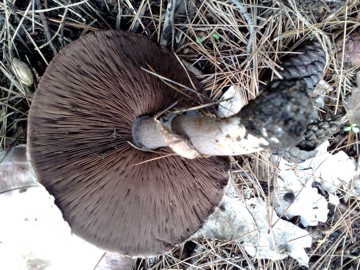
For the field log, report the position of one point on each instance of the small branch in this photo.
(59, 30)
(248, 19)
(319, 34)
(181, 6)
(137, 18)
(46, 27)
(168, 23)
(120, 3)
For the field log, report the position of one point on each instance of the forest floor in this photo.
(226, 43)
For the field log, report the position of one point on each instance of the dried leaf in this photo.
(296, 197)
(233, 102)
(259, 230)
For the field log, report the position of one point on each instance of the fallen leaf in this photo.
(256, 226)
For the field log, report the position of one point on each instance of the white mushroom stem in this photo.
(146, 133)
(276, 118)
(221, 137)
(209, 136)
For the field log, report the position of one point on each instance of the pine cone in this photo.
(315, 134)
(308, 66)
(318, 132)
(295, 154)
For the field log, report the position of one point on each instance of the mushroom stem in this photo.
(146, 134)
(209, 136)
(220, 137)
(278, 117)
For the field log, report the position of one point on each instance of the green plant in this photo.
(352, 127)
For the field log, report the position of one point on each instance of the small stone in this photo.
(22, 72)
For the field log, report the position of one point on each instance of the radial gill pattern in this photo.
(112, 194)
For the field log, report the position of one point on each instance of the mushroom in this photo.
(98, 145)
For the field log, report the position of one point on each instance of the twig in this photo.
(18, 27)
(137, 18)
(91, 7)
(319, 34)
(60, 29)
(25, 31)
(120, 3)
(168, 23)
(181, 6)
(33, 17)
(248, 19)
(102, 257)
(72, 11)
(46, 27)
(75, 25)
(60, 7)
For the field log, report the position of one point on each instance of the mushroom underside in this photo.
(111, 193)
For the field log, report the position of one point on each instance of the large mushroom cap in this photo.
(111, 194)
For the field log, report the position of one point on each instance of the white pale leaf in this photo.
(233, 102)
(294, 194)
(256, 226)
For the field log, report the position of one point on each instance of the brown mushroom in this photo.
(112, 194)
(99, 97)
